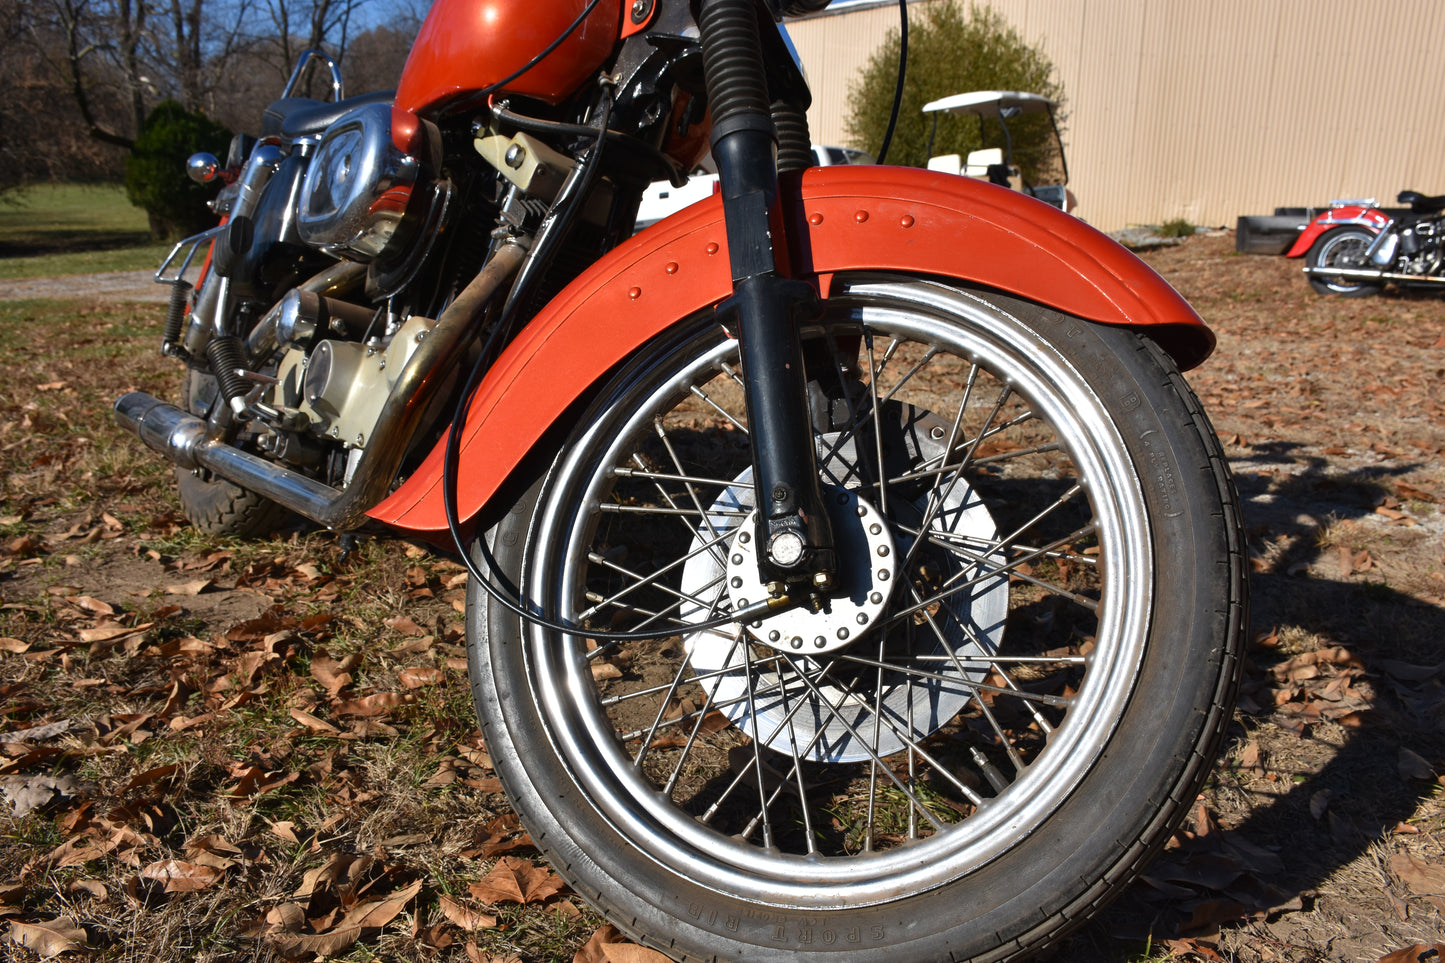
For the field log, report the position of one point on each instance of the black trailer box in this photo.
(1274, 234)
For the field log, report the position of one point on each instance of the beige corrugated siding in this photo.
(1208, 111)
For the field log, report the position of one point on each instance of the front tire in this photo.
(1341, 247)
(1029, 693)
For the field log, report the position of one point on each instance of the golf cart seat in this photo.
(947, 163)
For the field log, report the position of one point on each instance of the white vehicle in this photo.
(995, 164)
(661, 198)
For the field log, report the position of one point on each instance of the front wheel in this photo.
(1341, 247)
(1001, 712)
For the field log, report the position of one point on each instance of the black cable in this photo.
(452, 461)
(546, 51)
(902, 75)
(537, 125)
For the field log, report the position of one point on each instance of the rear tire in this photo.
(1003, 745)
(1341, 247)
(212, 504)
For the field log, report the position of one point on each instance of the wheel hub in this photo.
(840, 701)
(867, 563)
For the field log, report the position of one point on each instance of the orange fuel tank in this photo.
(465, 46)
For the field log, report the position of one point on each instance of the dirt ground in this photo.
(1320, 836)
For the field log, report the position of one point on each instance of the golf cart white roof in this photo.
(988, 103)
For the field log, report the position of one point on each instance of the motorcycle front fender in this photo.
(838, 219)
(1370, 218)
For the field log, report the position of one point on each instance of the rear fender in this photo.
(841, 219)
(1371, 219)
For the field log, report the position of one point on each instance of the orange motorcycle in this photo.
(853, 573)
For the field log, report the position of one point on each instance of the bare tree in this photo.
(86, 57)
(114, 60)
(325, 22)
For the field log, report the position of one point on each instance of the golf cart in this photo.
(996, 164)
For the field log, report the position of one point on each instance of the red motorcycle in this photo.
(1355, 247)
(853, 572)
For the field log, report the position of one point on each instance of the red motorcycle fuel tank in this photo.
(467, 45)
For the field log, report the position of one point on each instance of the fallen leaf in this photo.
(1422, 879)
(109, 632)
(50, 937)
(376, 704)
(286, 830)
(595, 949)
(26, 794)
(150, 776)
(358, 921)
(189, 588)
(334, 675)
(1249, 756)
(414, 677)
(95, 888)
(404, 624)
(1188, 947)
(178, 876)
(515, 880)
(1419, 953)
(312, 722)
(464, 916)
(90, 604)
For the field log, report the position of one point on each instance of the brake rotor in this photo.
(776, 682)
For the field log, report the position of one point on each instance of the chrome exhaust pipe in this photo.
(182, 436)
(1357, 274)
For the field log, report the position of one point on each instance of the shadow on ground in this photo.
(1289, 855)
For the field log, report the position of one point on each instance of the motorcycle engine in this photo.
(358, 186)
(1420, 247)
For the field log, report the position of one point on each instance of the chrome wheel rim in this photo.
(702, 788)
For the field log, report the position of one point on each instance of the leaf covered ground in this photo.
(226, 751)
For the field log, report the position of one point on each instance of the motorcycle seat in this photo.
(292, 117)
(1420, 204)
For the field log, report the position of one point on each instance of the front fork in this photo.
(767, 308)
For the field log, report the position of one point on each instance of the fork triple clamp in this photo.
(766, 307)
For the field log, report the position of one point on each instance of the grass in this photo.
(58, 229)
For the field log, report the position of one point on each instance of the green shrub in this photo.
(953, 49)
(1178, 227)
(155, 171)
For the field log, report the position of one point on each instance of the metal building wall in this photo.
(1207, 111)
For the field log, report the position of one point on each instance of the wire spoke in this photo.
(908, 672)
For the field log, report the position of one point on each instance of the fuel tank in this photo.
(466, 46)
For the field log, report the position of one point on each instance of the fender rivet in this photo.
(906, 220)
(815, 219)
(670, 267)
(634, 293)
(711, 248)
(861, 216)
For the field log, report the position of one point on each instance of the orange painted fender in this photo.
(841, 219)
